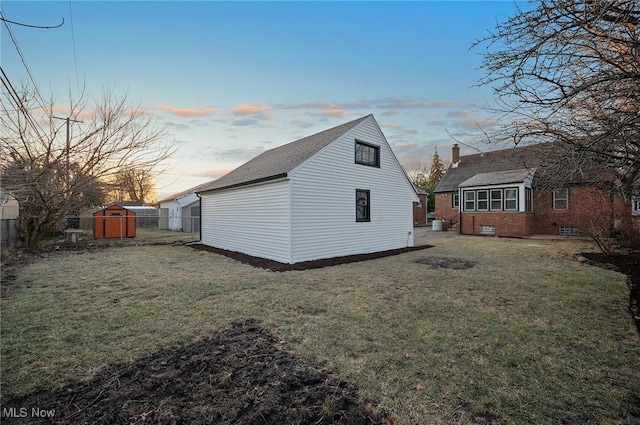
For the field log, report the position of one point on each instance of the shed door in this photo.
(114, 225)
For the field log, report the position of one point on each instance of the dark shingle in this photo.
(521, 158)
(278, 162)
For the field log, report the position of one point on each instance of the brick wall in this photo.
(587, 207)
(444, 208)
(420, 213)
(509, 224)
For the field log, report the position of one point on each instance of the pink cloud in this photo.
(188, 112)
(333, 112)
(247, 109)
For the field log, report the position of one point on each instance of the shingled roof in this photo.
(493, 165)
(278, 162)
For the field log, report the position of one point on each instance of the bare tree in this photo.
(133, 184)
(567, 73)
(53, 172)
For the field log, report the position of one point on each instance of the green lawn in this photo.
(528, 335)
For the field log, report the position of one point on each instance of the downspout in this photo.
(200, 213)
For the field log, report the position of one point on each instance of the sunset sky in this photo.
(232, 79)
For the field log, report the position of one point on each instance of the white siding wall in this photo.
(174, 220)
(253, 220)
(323, 191)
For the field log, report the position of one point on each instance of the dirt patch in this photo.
(242, 375)
(628, 264)
(276, 266)
(445, 263)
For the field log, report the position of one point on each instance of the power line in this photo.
(43, 27)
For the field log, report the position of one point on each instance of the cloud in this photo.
(188, 112)
(173, 125)
(457, 113)
(333, 112)
(237, 154)
(247, 109)
(210, 174)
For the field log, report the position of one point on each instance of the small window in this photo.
(367, 154)
(483, 200)
(528, 199)
(469, 200)
(487, 230)
(362, 205)
(635, 206)
(455, 200)
(569, 231)
(496, 200)
(511, 199)
(561, 199)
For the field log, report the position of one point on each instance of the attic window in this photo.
(367, 154)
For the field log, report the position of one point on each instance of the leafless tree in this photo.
(567, 73)
(133, 184)
(53, 172)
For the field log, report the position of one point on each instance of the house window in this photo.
(528, 199)
(569, 231)
(511, 199)
(469, 200)
(455, 200)
(482, 200)
(496, 200)
(367, 154)
(561, 199)
(635, 206)
(363, 207)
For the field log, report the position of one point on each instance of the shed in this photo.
(338, 192)
(114, 221)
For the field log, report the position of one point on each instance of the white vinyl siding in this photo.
(324, 222)
(249, 219)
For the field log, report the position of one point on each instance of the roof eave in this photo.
(247, 183)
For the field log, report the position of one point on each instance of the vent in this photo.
(487, 230)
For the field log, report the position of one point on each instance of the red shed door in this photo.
(115, 225)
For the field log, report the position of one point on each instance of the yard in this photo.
(474, 330)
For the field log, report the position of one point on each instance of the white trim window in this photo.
(455, 200)
(561, 199)
(635, 206)
(469, 200)
(511, 199)
(482, 200)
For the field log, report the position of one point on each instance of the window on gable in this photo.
(363, 208)
(561, 199)
(367, 154)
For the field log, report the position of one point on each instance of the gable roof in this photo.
(278, 162)
(178, 195)
(489, 165)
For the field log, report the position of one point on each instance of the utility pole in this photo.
(68, 168)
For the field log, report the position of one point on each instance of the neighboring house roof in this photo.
(182, 194)
(278, 162)
(489, 164)
(498, 177)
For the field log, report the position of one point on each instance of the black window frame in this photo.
(528, 199)
(376, 149)
(367, 206)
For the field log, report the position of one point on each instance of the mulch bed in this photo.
(628, 264)
(242, 375)
(276, 266)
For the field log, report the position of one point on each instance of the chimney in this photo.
(455, 153)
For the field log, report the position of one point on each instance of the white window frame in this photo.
(496, 200)
(511, 199)
(558, 198)
(469, 200)
(485, 200)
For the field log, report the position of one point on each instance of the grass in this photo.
(528, 335)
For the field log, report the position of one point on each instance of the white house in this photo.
(181, 212)
(338, 192)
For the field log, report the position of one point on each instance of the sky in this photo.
(229, 80)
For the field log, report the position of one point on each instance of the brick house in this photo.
(420, 207)
(495, 193)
